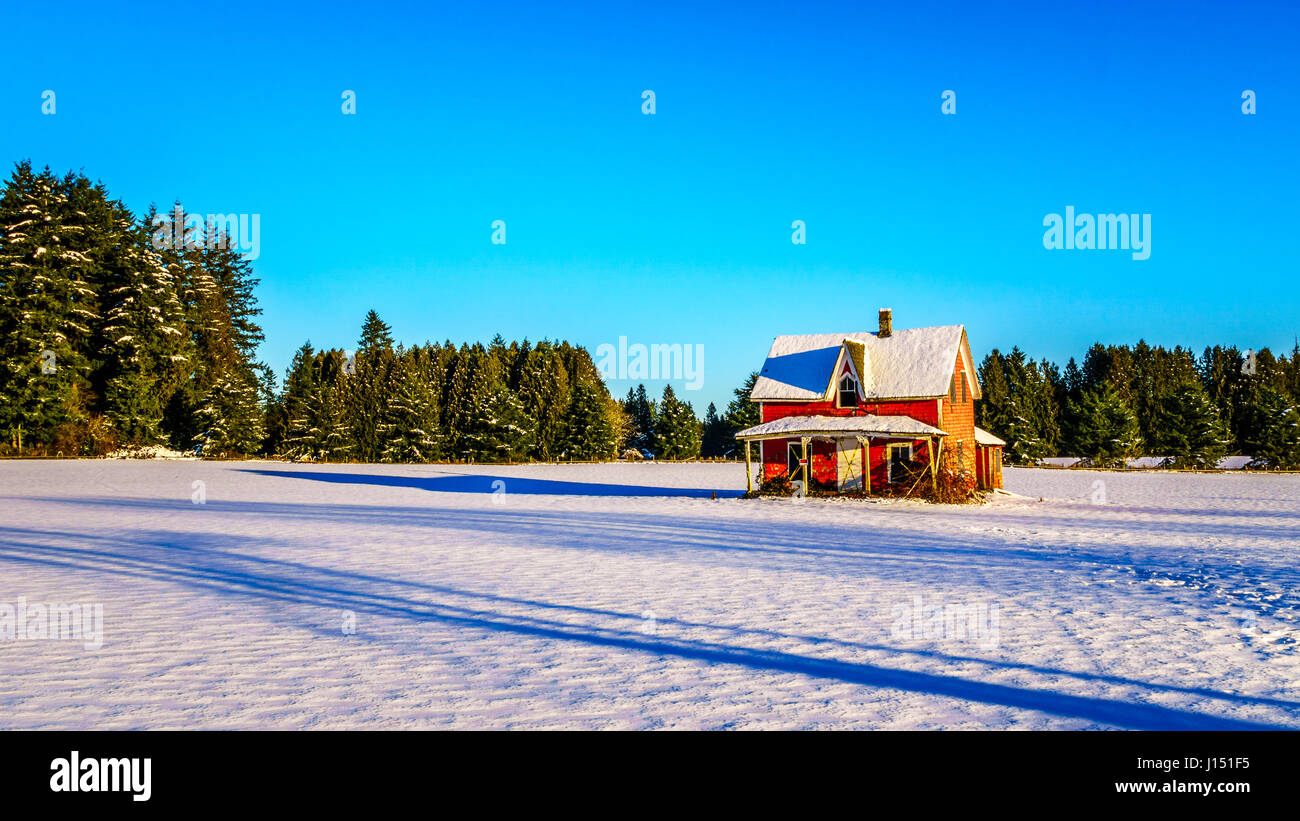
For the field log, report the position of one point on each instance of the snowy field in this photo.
(622, 596)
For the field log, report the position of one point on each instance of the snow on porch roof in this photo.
(910, 363)
(841, 425)
(983, 437)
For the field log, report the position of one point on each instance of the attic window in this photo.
(848, 396)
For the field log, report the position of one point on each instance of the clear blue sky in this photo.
(676, 227)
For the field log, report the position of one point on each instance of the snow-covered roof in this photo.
(911, 363)
(983, 437)
(843, 425)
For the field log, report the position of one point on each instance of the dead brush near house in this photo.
(952, 485)
(783, 486)
(772, 486)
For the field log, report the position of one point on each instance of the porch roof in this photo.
(983, 437)
(833, 426)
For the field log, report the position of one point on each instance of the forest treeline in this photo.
(111, 339)
(107, 339)
(440, 402)
(1126, 401)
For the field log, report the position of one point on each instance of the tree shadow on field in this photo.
(204, 562)
(833, 548)
(451, 482)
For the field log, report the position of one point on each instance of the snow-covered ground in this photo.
(623, 596)
(1237, 462)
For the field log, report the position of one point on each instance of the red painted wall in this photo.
(954, 414)
(990, 466)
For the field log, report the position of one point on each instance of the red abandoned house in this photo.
(848, 412)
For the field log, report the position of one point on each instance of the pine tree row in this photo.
(669, 429)
(1125, 402)
(109, 337)
(390, 403)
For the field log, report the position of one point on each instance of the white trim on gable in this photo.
(968, 368)
(833, 389)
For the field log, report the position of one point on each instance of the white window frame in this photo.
(839, 390)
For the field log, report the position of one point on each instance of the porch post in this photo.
(934, 463)
(865, 442)
(749, 476)
(803, 441)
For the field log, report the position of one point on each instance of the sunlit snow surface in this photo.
(623, 596)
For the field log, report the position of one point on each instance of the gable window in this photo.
(848, 393)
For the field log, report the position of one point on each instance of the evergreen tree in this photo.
(1027, 419)
(366, 391)
(1277, 442)
(48, 307)
(676, 430)
(331, 433)
(991, 412)
(410, 430)
(315, 403)
(1107, 432)
(545, 388)
(463, 401)
(230, 415)
(485, 419)
(504, 432)
(275, 414)
(742, 412)
(1069, 399)
(118, 329)
(216, 288)
(1192, 434)
(144, 338)
(376, 335)
(591, 422)
(641, 413)
(716, 435)
(1289, 372)
(299, 384)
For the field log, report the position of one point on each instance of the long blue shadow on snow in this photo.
(481, 483)
(174, 557)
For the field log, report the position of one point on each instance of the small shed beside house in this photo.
(988, 460)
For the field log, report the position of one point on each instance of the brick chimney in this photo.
(886, 322)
